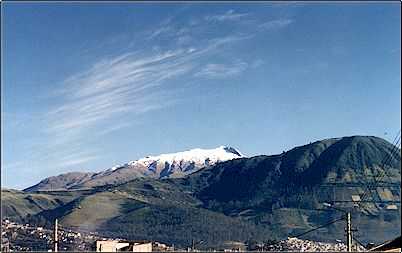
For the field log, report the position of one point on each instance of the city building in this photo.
(123, 245)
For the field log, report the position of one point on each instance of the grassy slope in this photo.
(17, 205)
(170, 213)
(154, 210)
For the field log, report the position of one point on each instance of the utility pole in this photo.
(55, 241)
(348, 226)
(192, 245)
(348, 232)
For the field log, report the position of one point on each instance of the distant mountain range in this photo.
(263, 198)
(173, 165)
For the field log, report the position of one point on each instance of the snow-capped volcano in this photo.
(199, 156)
(173, 165)
(181, 163)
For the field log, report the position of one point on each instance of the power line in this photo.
(309, 231)
(384, 164)
(368, 191)
(312, 230)
(373, 185)
(359, 242)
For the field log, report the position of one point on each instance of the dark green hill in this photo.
(353, 160)
(346, 161)
(289, 188)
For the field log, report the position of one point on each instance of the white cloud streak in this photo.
(159, 32)
(228, 16)
(76, 161)
(116, 88)
(221, 71)
(275, 24)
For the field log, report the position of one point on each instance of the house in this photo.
(123, 245)
(390, 246)
(157, 246)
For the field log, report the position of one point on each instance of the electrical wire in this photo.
(309, 231)
(384, 164)
(354, 238)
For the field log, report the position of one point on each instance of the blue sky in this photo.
(86, 86)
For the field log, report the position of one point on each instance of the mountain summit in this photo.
(183, 163)
(174, 165)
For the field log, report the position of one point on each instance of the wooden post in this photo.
(348, 233)
(55, 241)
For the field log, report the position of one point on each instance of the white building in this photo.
(123, 245)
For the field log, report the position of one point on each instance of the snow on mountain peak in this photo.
(185, 162)
(196, 155)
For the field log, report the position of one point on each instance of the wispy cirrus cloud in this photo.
(101, 98)
(159, 31)
(124, 80)
(136, 82)
(213, 70)
(275, 24)
(228, 16)
(114, 86)
(76, 161)
(112, 93)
